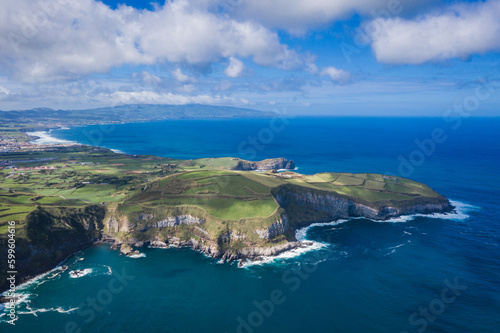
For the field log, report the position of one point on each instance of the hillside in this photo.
(68, 198)
(44, 118)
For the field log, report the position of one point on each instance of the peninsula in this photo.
(67, 198)
(63, 198)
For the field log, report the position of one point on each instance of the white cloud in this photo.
(59, 39)
(335, 74)
(152, 97)
(150, 79)
(311, 68)
(181, 77)
(235, 67)
(299, 16)
(4, 91)
(459, 32)
(188, 88)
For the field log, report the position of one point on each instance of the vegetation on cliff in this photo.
(65, 199)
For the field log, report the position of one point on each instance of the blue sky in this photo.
(315, 57)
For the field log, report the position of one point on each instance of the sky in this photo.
(310, 57)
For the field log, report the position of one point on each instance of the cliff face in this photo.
(269, 164)
(280, 227)
(173, 221)
(51, 236)
(307, 206)
(301, 207)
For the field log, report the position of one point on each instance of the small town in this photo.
(13, 144)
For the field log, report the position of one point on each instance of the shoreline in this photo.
(44, 138)
(289, 250)
(302, 245)
(254, 255)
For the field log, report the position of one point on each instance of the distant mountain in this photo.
(45, 117)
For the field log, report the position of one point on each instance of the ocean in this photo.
(412, 274)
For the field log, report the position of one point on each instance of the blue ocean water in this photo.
(419, 274)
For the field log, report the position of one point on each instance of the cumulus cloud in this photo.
(299, 16)
(60, 39)
(150, 79)
(335, 74)
(152, 97)
(235, 67)
(181, 77)
(4, 92)
(459, 32)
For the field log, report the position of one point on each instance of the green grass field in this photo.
(88, 175)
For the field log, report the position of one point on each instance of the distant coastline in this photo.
(45, 138)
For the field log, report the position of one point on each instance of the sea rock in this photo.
(257, 252)
(157, 244)
(126, 249)
(290, 165)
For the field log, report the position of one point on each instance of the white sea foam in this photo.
(108, 271)
(117, 151)
(80, 273)
(459, 213)
(44, 138)
(137, 255)
(297, 252)
(301, 234)
(19, 299)
(394, 248)
(285, 170)
(39, 279)
(58, 309)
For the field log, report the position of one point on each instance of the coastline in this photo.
(302, 246)
(268, 255)
(44, 138)
(404, 260)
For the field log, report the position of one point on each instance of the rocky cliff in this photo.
(52, 234)
(269, 164)
(301, 207)
(280, 227)
(307, 206)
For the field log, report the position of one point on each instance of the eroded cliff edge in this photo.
(298, 207)
(54, 233)
(50, 236)
(308, 206)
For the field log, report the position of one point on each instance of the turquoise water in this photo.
(367, 277)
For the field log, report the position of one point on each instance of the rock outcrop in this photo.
(301, 207)
(173, 221)
(307, 206)
(53, 234)
(269, 164)
(275, 229)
